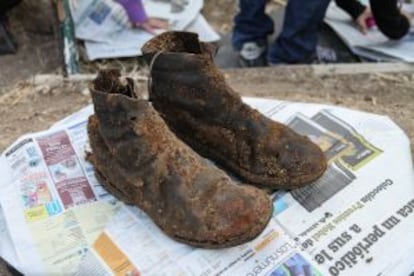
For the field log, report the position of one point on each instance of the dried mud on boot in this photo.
(140, 161)
(193, 98)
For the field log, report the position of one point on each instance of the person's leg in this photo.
(251, 24)
(251, 28)
(298, 39)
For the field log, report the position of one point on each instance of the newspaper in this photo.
(373, 45)
(107, 32)
(356, 220)
(56, 206)
(128, 42)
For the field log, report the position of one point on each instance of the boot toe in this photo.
(240, 218)
(303, 160)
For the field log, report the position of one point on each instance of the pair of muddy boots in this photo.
(147, 152)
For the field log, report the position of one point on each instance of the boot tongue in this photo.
(176, 42)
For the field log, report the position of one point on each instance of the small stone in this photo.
(85, 92)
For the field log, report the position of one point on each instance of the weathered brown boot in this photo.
(193, 98)
(142, 162)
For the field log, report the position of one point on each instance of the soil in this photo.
(25, 107)
(30, 107)
(37, 53)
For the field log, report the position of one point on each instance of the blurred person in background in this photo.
(139, 18)
(297, 42)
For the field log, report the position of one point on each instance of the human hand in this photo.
(152, 24)
(363, 20)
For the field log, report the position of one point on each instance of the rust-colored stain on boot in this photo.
(140, 161)
(193, 98)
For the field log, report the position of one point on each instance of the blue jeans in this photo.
(299, 37)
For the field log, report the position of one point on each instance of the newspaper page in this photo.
(128, 43)
(107, 32)
(373, 45)
(153, 253)
(53, 207)
(7, 251)
(102, 20)
(355, 220)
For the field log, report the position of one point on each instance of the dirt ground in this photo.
(31, 107)
(26, 107)
(37, 53)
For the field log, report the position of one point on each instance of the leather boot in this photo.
(193, 98)
(139, 160)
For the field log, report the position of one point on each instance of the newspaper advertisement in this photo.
(357, 219)
(373, 45)
(152, 253)
(107, 32)
(53, 207)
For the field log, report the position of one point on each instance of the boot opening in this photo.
(179, 42)
(108, 81)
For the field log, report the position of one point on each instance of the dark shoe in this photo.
(324, 55)
(7, 42)
(253, 54)
(389, 19)
(192, 96)
(142, 162)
